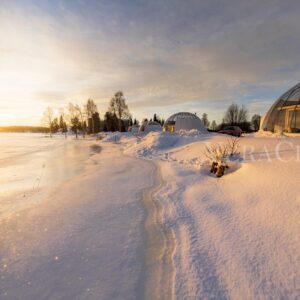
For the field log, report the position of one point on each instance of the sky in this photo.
(165, 55)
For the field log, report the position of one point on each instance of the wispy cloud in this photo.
(165, 55)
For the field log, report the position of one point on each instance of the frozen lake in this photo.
(29, 162)
(71, 224)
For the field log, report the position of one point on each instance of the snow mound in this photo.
(112, 137)
(116, 137)
(152, 143)
(190, 133)
(155, 143)
(271, 134)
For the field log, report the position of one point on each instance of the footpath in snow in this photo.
(236, 237)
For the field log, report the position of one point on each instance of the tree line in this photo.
(156, 118)
(235, 115)
(86, 119)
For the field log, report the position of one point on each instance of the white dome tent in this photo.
(150, 126)
(134, 128)
(184, 121)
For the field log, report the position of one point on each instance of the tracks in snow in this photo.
(159, 266)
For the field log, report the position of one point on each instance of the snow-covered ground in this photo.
(238, 236)
(79, 224)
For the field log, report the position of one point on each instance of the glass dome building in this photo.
(284, 114)
(184, 121)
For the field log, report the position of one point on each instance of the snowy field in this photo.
(236, 237)
(142, 217)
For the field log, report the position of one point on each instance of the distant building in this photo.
(150, 126)
(134, 128)
(184, 121)
(284, 114)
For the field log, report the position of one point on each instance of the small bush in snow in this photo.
(217, 155)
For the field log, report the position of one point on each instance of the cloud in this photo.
(165, 55)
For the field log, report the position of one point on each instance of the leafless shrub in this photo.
(216, 153)
(217, 156)
(233, 145)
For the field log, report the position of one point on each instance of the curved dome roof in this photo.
(153, 123)
(151, 126)
(181, 115)
(184, 121)
(284, 113)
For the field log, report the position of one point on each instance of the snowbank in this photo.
(237, 236)
(262, 133)
(157, 143)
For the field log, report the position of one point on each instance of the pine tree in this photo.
(62, 123)
(205, 120)
(96, 122)
(54, 125)
(255, 122)
(130, 121)
(74, 119)
(111, 121)
(213, 125)
(91, 109)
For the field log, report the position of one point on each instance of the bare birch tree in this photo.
(48, 119)
(119, 108)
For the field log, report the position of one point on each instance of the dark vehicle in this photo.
(232, 130)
